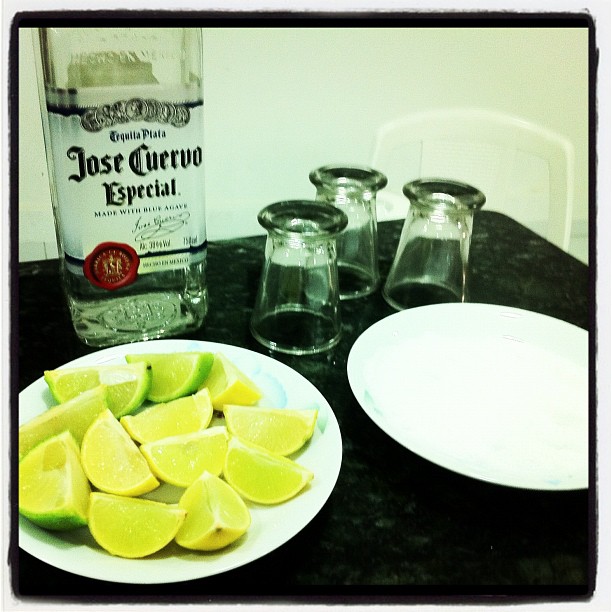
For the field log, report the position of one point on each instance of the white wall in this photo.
(279, 102)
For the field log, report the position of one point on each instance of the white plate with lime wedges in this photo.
(495, 393)
(271, 526)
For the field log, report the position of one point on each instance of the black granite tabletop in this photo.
(396, 528)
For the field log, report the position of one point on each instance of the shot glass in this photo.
(431, 262)
(353, 190)
(297, 306)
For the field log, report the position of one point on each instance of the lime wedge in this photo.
(261, 476)
(180, 460)
(174, 374)
(75, 416)
(230, 385)
(215, 517)
(112, 461)
(280, 430)
(128, 384)
(53, 489)
(132, 527)
(180, 416)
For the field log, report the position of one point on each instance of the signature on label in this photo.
(160, 226)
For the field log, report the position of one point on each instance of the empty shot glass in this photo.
(431, 262)
(353, 190)
(297, 306)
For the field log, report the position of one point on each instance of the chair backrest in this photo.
(524, 170)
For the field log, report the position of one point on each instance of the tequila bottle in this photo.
(122, 113)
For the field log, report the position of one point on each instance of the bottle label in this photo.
(112, 265)
(129, 178)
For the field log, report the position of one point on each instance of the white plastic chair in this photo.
(524, 170)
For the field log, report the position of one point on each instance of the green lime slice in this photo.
(53, 489)
(127, 384)
(75, 416)
(179, 416)
(174, 375)
(147, 525)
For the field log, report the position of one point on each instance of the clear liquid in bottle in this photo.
(123, 122)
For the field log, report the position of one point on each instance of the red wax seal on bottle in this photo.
(112, 265)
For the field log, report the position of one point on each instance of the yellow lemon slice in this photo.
(180, 416)
(75, 416)
(180, 460)
(112, 461)
(127, 384)
(281, 431)
(174, 374)
(261, 476)
(216, 515)
(229, 385)
(53, 489)
(132, 527)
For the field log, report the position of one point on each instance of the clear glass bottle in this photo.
(353, 190)
(122, 113)
(431, 262)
